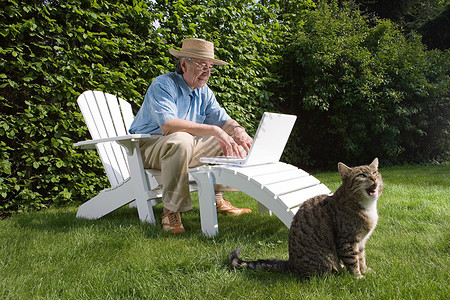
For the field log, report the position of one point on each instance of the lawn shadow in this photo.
(64, 220)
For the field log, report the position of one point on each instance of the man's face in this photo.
(193, 74)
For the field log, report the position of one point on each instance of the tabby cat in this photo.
(328, 231)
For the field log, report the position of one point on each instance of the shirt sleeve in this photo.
(162, 102)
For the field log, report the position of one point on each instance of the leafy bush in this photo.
(359, 91)
(52, 51)
(363, 91)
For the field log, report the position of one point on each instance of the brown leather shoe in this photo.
(171, 222)
(225, 207)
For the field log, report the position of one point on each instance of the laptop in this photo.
(268, 144)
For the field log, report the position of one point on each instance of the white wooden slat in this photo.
(298, 197)
(93, 117)
(127, 113)
(113, 119)
(234, 173)
(116, 164)
(108, 165)
(96, 116)
(116, 153)
(105, 114)
(111, 164)
(120, 155)
(246, 171)
(259, 170)
(88, 144)
(279, 176)
(116, 115)
(120, 164)
(289, 186)
(120, 130)
(89, 109)
(83, 102)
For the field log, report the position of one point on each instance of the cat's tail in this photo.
(261, 264)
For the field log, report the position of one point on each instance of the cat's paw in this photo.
(358, 276)
(365, 272)
(369, 271)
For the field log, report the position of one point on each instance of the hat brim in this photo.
(179, 54)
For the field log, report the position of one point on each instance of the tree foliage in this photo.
(364, 91)
(360, 91)
(435, 32)
(52, 51)
(430, 18)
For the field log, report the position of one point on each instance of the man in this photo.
(187, 122)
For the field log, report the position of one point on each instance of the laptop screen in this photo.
(269, 142)
(271, 138)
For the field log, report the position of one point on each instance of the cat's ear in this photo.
(343, 169)
(374, 164)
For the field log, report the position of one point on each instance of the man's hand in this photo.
(232, 136)
(242, 138)
(228, 144)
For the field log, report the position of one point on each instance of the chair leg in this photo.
(145, 209)
(207, 201)
(111, 199)
(263, 210)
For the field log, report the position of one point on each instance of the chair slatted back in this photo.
(108, 116)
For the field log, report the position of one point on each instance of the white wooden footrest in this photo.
(279, 187)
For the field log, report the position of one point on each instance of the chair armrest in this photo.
(90, 144)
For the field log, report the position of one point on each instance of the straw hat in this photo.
(197, 48)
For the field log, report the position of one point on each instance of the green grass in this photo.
(53, 255)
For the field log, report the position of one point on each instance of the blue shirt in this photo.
(169, 97)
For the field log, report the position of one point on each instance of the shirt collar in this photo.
(185, 89)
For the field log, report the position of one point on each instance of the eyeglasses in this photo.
(202, 67)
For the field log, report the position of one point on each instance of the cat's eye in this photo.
(361, 176)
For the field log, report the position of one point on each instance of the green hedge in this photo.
(359, 91)
(52, 51)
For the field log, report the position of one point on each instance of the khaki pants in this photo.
(174, 154)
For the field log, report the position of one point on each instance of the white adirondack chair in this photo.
(108, 119)
(279, 188)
